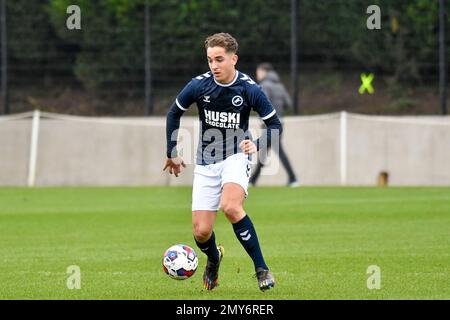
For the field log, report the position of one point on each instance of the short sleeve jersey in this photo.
(224, 111)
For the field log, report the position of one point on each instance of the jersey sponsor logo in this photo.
(237, 101)
(206, 98)
(225, 120)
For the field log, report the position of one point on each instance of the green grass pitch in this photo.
(318, 242)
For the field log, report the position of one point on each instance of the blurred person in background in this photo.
(271, 85)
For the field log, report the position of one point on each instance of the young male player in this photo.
(224, 97)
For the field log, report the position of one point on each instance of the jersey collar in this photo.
(227, 84)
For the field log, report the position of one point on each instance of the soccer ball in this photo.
(180, 262)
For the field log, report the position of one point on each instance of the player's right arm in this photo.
(186, 97)
(173, 162)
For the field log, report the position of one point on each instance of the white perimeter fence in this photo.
(44, 149)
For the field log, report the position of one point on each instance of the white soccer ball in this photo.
(180, 262)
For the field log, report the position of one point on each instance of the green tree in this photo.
(34, 48)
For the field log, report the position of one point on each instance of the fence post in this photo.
(442, 58)
(294, 55)
(4, 57)
(33, 148)
(148, 71)
(343, 147)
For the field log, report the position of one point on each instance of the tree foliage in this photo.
(109, 50)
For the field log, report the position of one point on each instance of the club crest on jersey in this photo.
(206, 98)
(237, 101)
(225, 120)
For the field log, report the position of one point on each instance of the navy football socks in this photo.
(245, 232)
(209, 248)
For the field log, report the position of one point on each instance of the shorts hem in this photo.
(204, 209)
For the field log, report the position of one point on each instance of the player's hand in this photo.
(248, 146)
(174, 165)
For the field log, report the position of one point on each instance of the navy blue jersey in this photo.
(224, 111)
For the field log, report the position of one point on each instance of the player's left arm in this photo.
(262, 105)
(272, 133)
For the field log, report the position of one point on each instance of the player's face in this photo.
(222, 64)
(260, 74)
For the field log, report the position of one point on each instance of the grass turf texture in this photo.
(318, 242)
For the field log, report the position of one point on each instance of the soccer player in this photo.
(224, 98)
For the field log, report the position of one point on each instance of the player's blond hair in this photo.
(224, 40)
